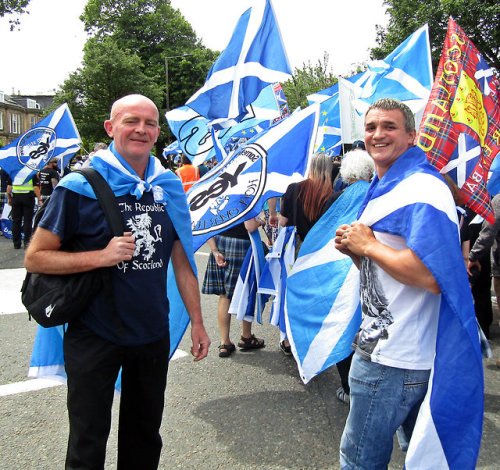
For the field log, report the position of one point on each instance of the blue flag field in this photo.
(55, 136)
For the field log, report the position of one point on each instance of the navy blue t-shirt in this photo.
(139, 285)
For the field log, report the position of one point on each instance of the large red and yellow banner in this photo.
(460, 130)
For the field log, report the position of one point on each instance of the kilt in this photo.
(220, 280)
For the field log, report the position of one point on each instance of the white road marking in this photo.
(28, 386)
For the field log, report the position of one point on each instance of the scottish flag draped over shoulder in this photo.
(322, 308)
(413, 202)
(55, 136)
(167, 189)
(254, 58)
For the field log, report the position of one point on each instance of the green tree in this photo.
(13, 7)
(107, 74)
(154, 32)
(307, 80)
(480, 19)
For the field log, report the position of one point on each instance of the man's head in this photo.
(100, 146)
(52, 163)
(133, 124)
(389, 132)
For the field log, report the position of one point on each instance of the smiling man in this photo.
(405, 233)
(135, 335)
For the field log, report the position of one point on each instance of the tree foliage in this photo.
(130, 42)
(480, 19)
(13, 7)
(307, 80)
(107, 74)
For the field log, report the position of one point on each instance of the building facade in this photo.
(19, 113)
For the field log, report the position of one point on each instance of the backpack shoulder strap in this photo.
(106, 198)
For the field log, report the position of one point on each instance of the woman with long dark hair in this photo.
(304, 202)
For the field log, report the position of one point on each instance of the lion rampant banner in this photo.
(460, 127)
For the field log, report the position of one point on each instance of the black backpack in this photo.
(57, 299)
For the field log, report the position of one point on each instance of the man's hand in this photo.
(339, 237)
(470, 264)
(357, 238)
(118, 249)
(201, 341)
(273, 219)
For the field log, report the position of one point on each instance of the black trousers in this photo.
(343, 367)
(23, 207)
(92, 366)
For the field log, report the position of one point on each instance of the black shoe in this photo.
(286, 350)
(17, 247)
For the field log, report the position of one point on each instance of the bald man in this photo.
(133, 336)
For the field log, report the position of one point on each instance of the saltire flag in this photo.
(245, 295)
(322, 308)
(254, 58)
(55, 136)
(405, 74)
(47, 358)
(460, 128)
(279, 261)
(173, 148)
(219, 150)
(323, 95)
(260, 169)
(193, 131)
(193, 134)
(270, 107)
(447, 433)
(329, 139)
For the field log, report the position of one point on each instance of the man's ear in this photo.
(158, 135)
(108, 126)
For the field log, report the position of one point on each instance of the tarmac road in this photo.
(250, 411)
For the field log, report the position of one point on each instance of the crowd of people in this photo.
(392, 353)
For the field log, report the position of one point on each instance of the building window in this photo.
(1, 121)
(32, 104)
(2, 97)
(15, 124)
(32, 121)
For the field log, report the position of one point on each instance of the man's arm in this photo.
(38, 194)
(9, 194)
(403, 265)
(190, 294)
(54, 182)
(486, 237)
(43, 254)
(273, 215)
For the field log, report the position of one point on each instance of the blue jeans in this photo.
(383, 399)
